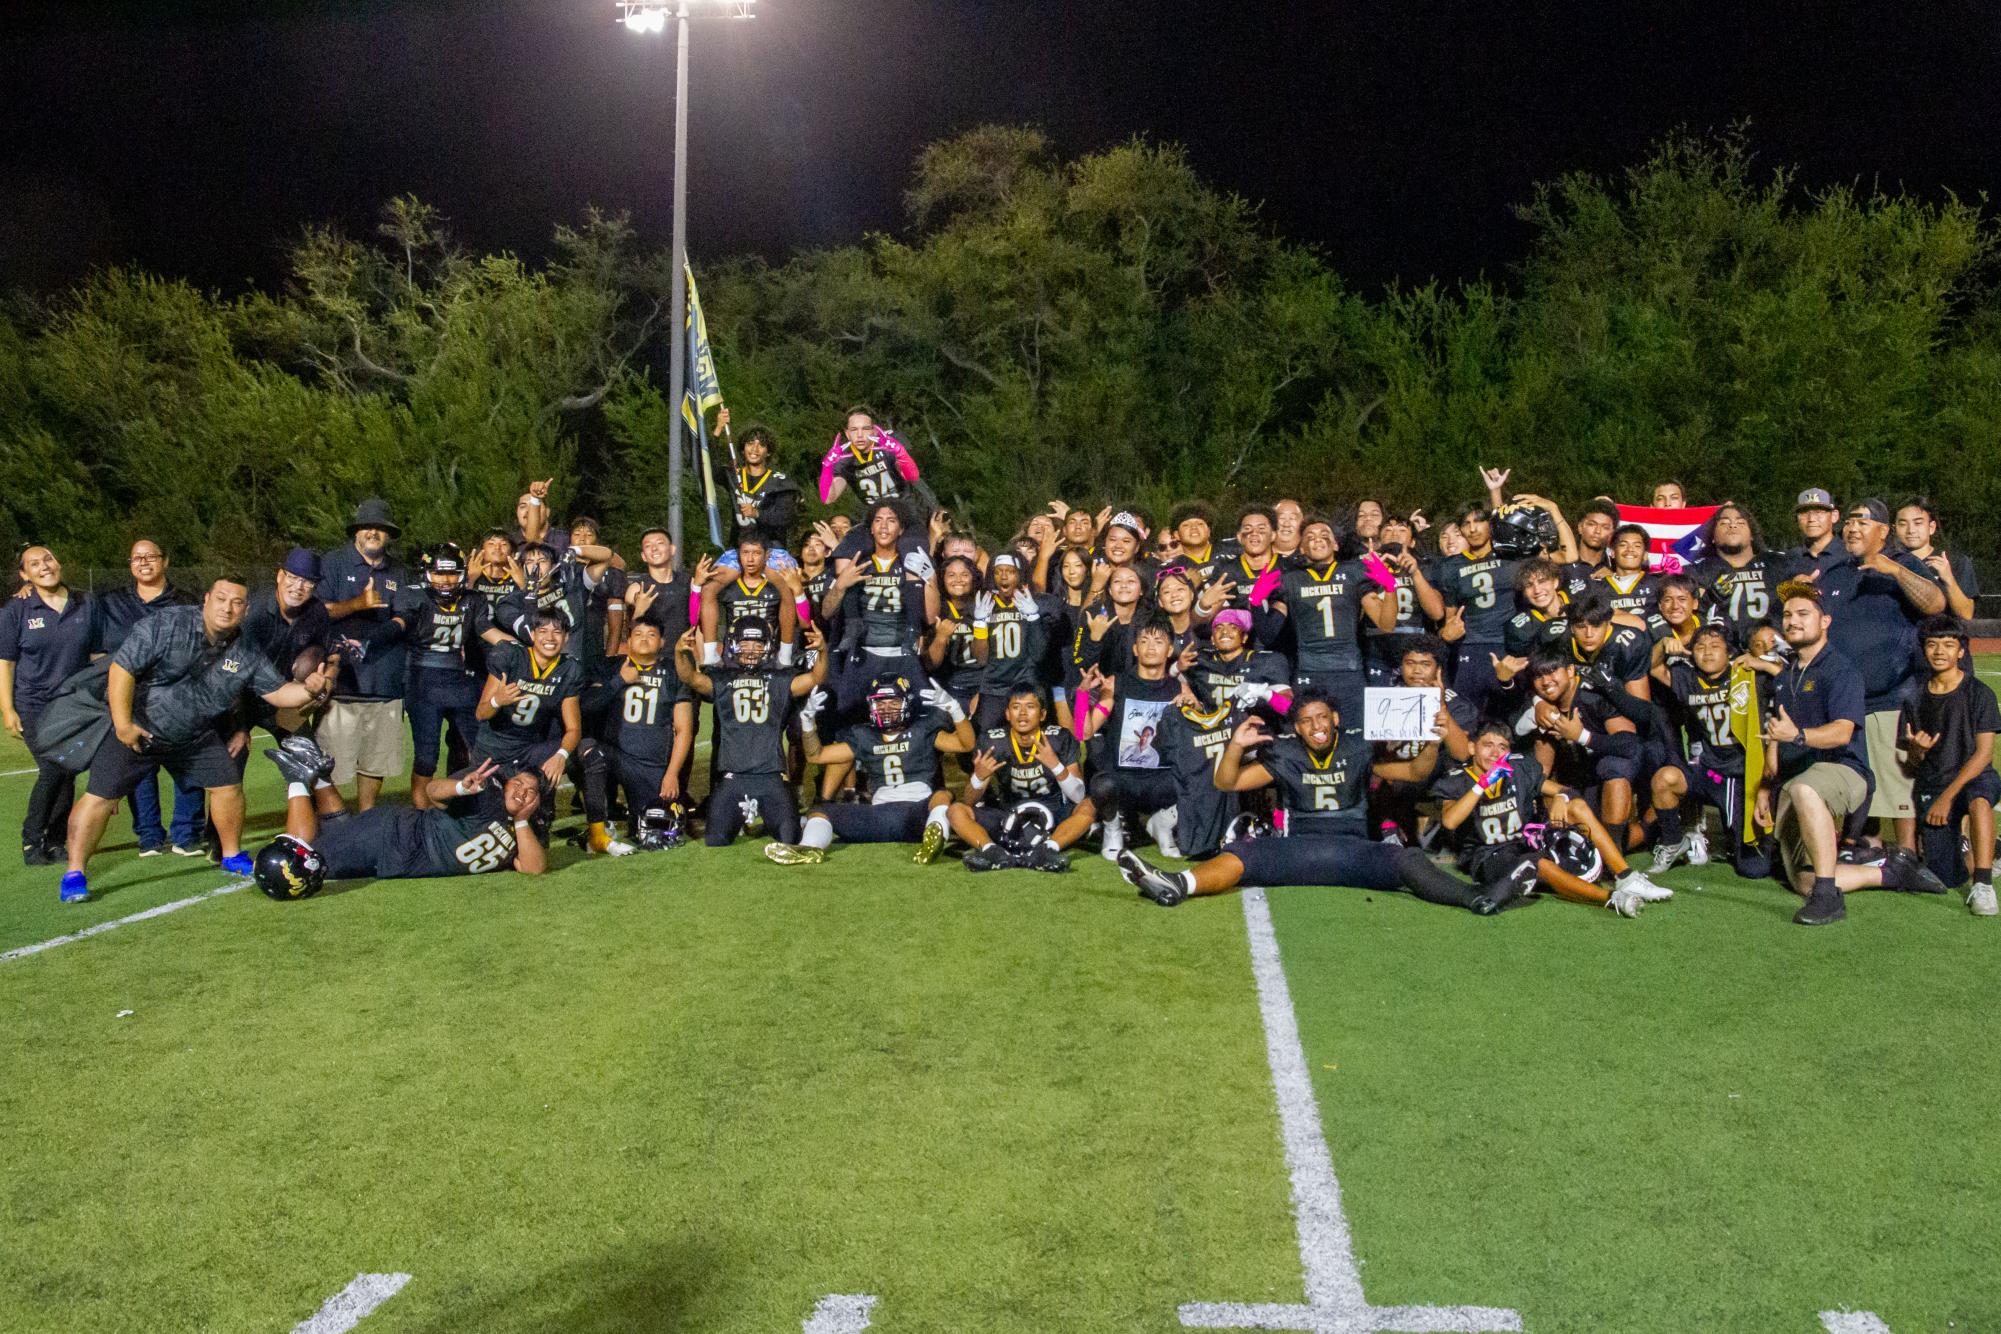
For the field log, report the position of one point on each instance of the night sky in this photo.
(196, 138)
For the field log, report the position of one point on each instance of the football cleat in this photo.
(300, 760)
(1161, 824)
(1698, 848)
(1043, 857)
(1153, 885)
(1648, 891)
(1667, 854)
(992, 857)
(1625, 902)
(1980, 901)
(1114, 841)
(933, 844)
(1903, 871)
(1822, 907)
(794, 854)
(75, 889)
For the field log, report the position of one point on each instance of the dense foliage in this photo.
(1107, 329)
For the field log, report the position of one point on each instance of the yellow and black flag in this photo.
(703, 391)
(1747, 725)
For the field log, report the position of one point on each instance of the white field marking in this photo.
(352, 1304)
(161, 911)
(1334, 1300)
(837, 1314)
(1853, 1322)
(18, 773)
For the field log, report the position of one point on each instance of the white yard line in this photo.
(17, 773)
(838, 1314)
(352, 1304)
(25, 950)
(1334, 1300)
(1852, 1322)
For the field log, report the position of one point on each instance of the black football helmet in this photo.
(750, 643)
(661, 827)
(1247, 826)
(287, 869)
(889, 702)
(445, 568)
(1523, 531)
(1026, 826)
(1572, 849)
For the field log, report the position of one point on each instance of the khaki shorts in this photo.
(1839, 786)
(364, 736)
(1893, 798)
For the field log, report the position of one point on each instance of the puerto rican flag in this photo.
(1674, 536)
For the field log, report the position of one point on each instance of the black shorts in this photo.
(994, 818)
(1497, 863)
(1135, 792)
(890, 822)
(1939, 844)
(1323, 860)
(116, 769)
(1723, 791)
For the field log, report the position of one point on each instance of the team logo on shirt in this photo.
(38, 623)
(231, 665)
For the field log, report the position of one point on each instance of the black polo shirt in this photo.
(1875, 627)
(188, 682)
(1823, 691)
(121, 609)
(372, 649)
(281, 640)
(46, 646)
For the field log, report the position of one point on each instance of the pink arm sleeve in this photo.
(1261, 591)
(828, 464)
(1281, 701)
(906, 466)
(695, 606)
(1077, 715)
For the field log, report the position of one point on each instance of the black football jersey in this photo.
(738, 602)
(1702, 706)
(1214, 678)
(1484, 590)
(1325, 608)
(750, 718)
(538, 715)
(1633, 594)
(453, 841)
(962, 669)
(445, 632)
(639, 720)
(1322, 795)
(1497, 818)
(1529, 630)
(891, 599)
(871, 473)
(892, 759)
(1017, 649)
(1742, 599)
(1022, 775)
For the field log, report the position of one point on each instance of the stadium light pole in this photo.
(639, 16)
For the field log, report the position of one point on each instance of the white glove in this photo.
(918, 564)
(983, 610)
(1251, 694)
(1024, 603)
(937, 697)
(809, 712)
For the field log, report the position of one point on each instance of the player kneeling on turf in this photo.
(1492, 803)
(477, 824)
(897, 752)
(752, 697)
(1322, 777)
(1025, 792)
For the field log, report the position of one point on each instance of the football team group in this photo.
(1194, 680)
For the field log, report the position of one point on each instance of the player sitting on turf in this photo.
(1322, 776)
(1393, 805)
(531, 713)
(752, 696)
(1950, 729)
(1580, 737)
(1698, 686)
(477, 822)
(1493, 803)
(896, 752)
(1025, 791)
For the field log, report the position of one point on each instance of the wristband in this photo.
(614, 605)
(460, 788)
(535, 500)
(979, 629)
(1101, 709)
(975, 785)
(564, 751)
(1584, 737)
(522, 824)
(1072, 788)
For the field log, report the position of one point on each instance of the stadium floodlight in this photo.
(649, 17)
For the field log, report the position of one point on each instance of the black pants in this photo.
(1135, 792)
(775, 803)
(441, 698)
(46, 824)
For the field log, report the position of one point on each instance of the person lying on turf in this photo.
(1492, 804)
(1322, 776)
(480, 822)
(1025, 792)
(896, 751)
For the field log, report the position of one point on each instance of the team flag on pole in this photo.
(703, 392)
(1674, 536)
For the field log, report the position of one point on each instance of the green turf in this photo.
(692, 1091)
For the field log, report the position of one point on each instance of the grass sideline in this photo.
(693, 1091)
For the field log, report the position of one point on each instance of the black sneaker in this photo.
(300, 760)
(1153, 886)
(1903, 872)
(990, 858)
(34, 854)
(1043, 857)
(1822, 907)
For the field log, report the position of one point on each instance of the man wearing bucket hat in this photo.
(363, 731)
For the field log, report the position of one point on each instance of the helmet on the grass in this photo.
(287, 869)
(1245, 826)
(661, 826)
(1572, 849)
(1026, 826)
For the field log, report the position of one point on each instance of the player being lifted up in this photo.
(746, 593)
(896, 752)
(1025, 791)
(1494, 804)
(752, 695)
(475, 822)
(1322, 776)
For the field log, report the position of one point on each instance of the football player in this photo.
(1014, 625)
(869, 458)
(1476, 586)
(1629, 575)
(1708, 770)
(1418, 601)
(1026, 786)
(1324, 600)
(896, 752)
(752, 694)
(649, 720)
(1393, 804)
(531, 715)
(884, 600)
(742, 591)
(763, 502)
(447, 625)
(1222, 671)
(1595, 527)
(1739, 578)
(957, 643)
(1192, 740)
(1582, 740)
(493, 572)
(1322, 775)
(1494, 804)
(472, 823)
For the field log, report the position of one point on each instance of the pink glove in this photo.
(1261, 591)
(1378, 571)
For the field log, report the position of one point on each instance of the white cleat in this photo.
(1667, 854)
(1115, 839)
(1162, 825)
(1645, 889)
(1625, 902)
(1698, 848)
(1980, 901)
(619, 848)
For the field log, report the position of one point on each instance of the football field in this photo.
(695, 1091)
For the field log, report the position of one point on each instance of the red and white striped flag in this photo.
(1674, 536)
